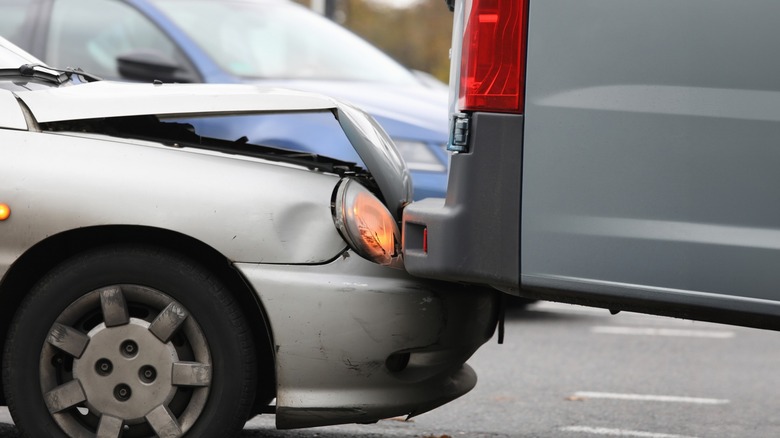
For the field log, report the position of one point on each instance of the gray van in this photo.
(618, 154)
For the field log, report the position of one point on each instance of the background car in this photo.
(272, 43)
(158, 282)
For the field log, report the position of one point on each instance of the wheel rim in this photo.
(125, 360)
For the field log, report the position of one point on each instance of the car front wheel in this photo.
(130, 342)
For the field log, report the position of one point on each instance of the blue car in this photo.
(264, 42)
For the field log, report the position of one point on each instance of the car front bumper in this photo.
(356, 342)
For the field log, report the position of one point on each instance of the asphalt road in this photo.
(575, 372)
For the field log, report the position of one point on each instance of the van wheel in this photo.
(130, 342)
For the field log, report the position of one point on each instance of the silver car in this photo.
(156, 282)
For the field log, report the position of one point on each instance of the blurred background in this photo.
(396, 68)
(416, 33)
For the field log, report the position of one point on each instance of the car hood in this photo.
(421, 107)
(115, 99)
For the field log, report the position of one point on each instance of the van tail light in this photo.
(492, 76)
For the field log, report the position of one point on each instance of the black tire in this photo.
(120, 318)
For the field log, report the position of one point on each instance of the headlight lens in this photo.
(365, 222)
(418, 156)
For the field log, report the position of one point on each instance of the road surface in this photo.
(575, 372)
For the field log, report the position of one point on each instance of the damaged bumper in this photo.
(357, 342)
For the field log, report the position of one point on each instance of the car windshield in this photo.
(271, 40)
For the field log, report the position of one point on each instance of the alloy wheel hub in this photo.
(126, 371)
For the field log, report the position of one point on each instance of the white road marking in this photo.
(575, 309)
(620, 432)
(650, 331)
(5, 416)
(645, 397)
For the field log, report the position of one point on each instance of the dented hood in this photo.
(115, 99)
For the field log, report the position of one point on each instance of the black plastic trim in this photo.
(473, 235)
(643, 299)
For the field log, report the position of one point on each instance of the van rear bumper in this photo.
(483, 212)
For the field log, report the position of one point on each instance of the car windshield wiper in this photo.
(47, 74)
(306, 159)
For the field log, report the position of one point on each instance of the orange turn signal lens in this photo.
(5, 212)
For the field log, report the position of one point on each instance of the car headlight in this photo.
(365, 223)
(418, 156)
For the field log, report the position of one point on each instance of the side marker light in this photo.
(5, 212)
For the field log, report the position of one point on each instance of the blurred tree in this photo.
(417, 36)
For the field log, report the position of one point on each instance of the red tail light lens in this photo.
(492, 74)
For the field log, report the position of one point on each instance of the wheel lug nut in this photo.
(128, 349)
(104, 367)
(122, 392)
(147, 374)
